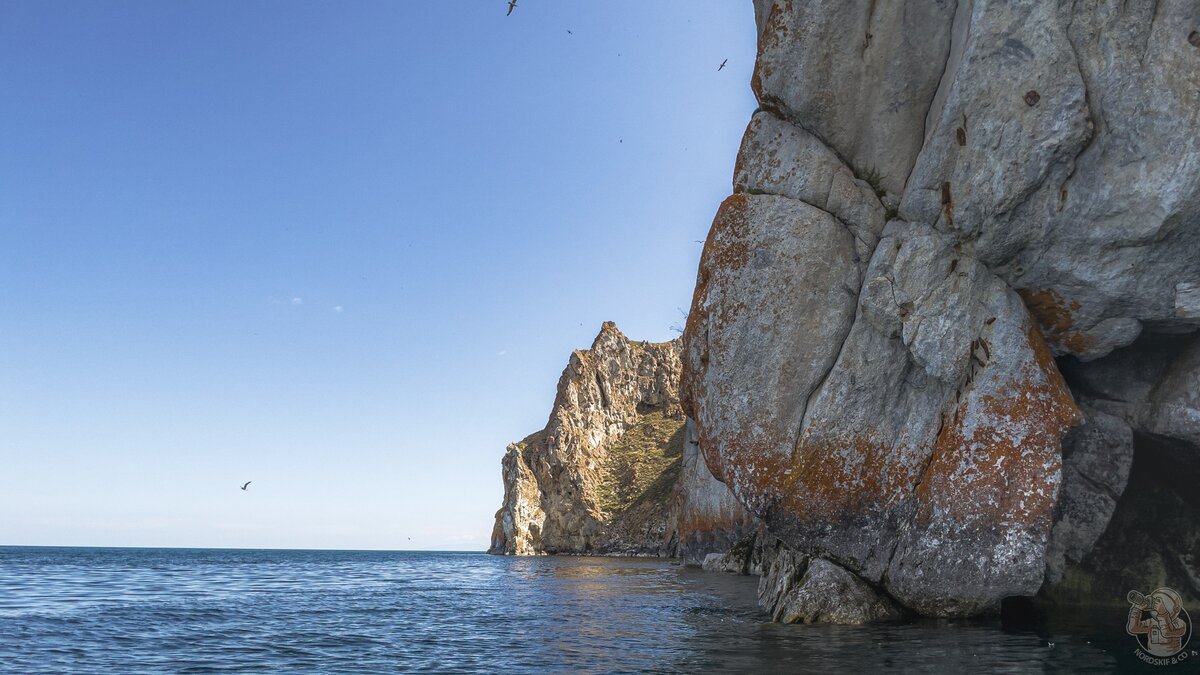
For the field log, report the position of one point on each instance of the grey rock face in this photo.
(942, 381)
(1096, 460)
(1129, 513)
(720, 562)
(774, 299)
(1086, 195)
(979, 467)
(1172, 409)
(785, 160)
(858, 75)
(884, 396)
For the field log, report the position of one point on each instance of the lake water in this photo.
(101, 610)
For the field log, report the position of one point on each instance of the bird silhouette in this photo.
(512, 4)
(569, 32)
(722, 66)
(247, 483)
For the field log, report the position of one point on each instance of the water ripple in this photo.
(214, 611)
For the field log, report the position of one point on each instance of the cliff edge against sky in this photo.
(943, 347)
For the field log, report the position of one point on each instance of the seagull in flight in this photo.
(719, 68)
(247, 483)
(512, 4)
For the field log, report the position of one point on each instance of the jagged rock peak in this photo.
(610, 472)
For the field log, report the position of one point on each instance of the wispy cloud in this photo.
(297, 301)
(337, 308)
(502, 352)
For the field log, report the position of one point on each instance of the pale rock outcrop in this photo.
(518, 528)
(769, 262)
(885, 397)
(707, 518)
(612, 472)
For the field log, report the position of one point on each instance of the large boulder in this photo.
(935, 200)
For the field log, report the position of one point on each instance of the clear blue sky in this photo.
(341, 249)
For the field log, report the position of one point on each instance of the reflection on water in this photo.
(125, 610)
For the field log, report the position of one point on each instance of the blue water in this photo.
(100, 610)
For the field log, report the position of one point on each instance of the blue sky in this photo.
(340, 249)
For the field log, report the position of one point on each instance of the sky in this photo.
(340, 249)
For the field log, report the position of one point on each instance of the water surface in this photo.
(204, 610)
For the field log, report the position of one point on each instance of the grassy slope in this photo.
(643, 465)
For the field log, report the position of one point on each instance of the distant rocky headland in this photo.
(616, 470)
(942, 351)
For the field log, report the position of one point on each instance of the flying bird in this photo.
(247, 483)
(512, 4)
(722, 66)
(569, 32)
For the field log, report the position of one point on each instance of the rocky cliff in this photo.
(616, 470)
(943, 338)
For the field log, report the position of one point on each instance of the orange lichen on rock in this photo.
(834, 481)
(692, 528)
(1076, 341)
(1001, 459)
(724, 250)
(754, 468)
(726, 246)
(1049, 308)
(1056, 317)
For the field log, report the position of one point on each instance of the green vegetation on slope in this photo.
(643, 465)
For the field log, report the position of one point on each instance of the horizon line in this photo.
(249, 548)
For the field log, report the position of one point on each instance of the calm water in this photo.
(195, 611)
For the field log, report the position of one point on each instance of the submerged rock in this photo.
(797, 589)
